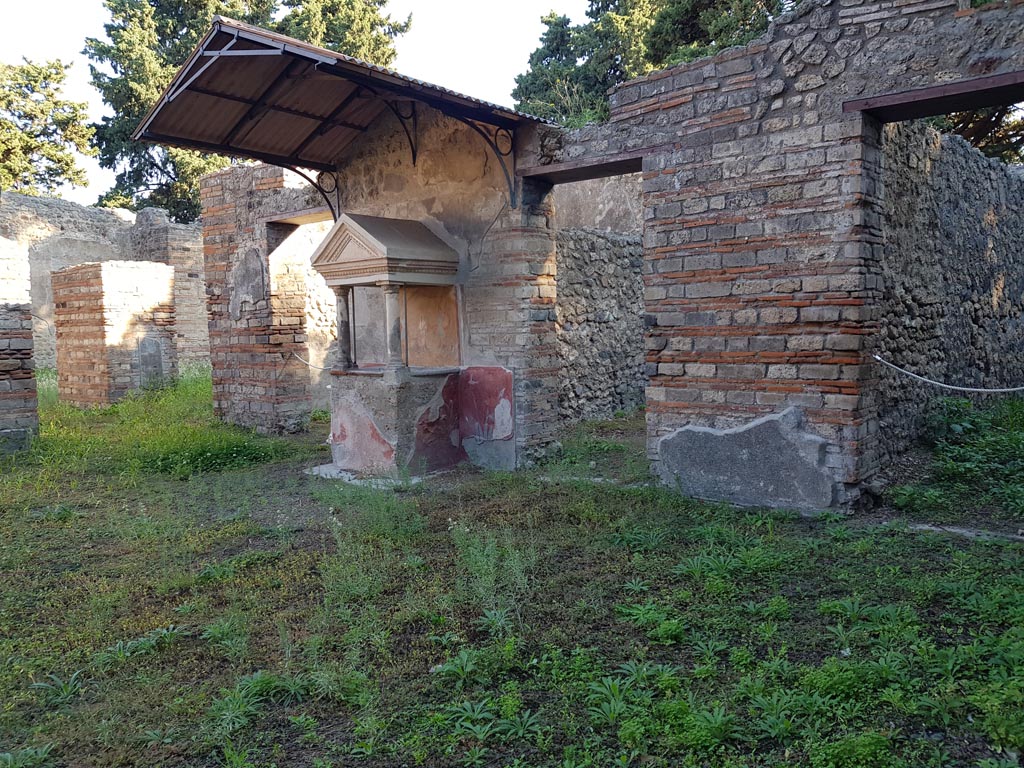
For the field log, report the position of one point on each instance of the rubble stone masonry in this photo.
(953, 275)
(600, 323)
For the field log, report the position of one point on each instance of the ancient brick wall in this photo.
(155, 238)
(54, 234)
(507, 268)
(18, 417)
(257, 300)
(600, 321)
(763, 236)
(953, 275)
(115, 329)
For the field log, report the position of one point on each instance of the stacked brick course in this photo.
(763, 216)
(115, 329)
(257, 315)
(18, 419)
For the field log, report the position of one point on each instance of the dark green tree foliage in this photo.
(996, 131)
(39, 131)
(148, 40)
(358, 28)
(575, 66)
(677, 24)
(691, 29)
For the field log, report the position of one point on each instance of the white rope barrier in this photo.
(306, 362)
(948, 386)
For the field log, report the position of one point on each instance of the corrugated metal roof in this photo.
(249, 92)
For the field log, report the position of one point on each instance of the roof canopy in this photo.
(366, 250)
(252, 93)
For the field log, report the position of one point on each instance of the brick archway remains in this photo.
(763, 236)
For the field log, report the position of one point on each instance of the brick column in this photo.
(115, 329)
(256, 300)
(510, 307)
(18, 417)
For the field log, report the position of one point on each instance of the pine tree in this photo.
(39, 131)
(148, 40)
(357, 28)
(571, 71)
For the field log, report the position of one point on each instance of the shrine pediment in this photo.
(366, 250)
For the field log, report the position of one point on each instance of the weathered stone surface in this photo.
(54, 234)
(952, 262)
(771, 460)
(599, 312)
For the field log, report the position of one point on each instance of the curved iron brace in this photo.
(501, 143)
(326, 183)
(406, 121)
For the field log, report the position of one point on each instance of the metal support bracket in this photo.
(409, 121)
(212, 57)
(502, 144)
(326, 183)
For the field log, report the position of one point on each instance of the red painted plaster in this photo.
(438, 440)
(485, 399)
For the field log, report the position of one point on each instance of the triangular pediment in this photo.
(342, 245)
(371, 249)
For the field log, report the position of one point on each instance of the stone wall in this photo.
(600, 316)
(18, 418)
(612, 204)
(763, 236)
(263, 319)
(953, 271)
(155, 238)
(116, 331)
(257, 295)
(54, 234)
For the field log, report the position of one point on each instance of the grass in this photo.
(977, 465)
(230, 611)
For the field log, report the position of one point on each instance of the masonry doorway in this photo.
(599, 309)
(950, 256)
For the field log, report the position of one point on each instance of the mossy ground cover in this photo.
(166, 607)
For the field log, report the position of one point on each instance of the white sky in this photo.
(476, 47)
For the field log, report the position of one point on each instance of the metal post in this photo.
(344, 294)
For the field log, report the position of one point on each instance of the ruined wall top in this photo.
(809, 62)
(30, 219)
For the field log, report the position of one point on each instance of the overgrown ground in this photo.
(177, 593)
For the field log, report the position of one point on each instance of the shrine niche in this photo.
(401, 407)
(414, 273)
